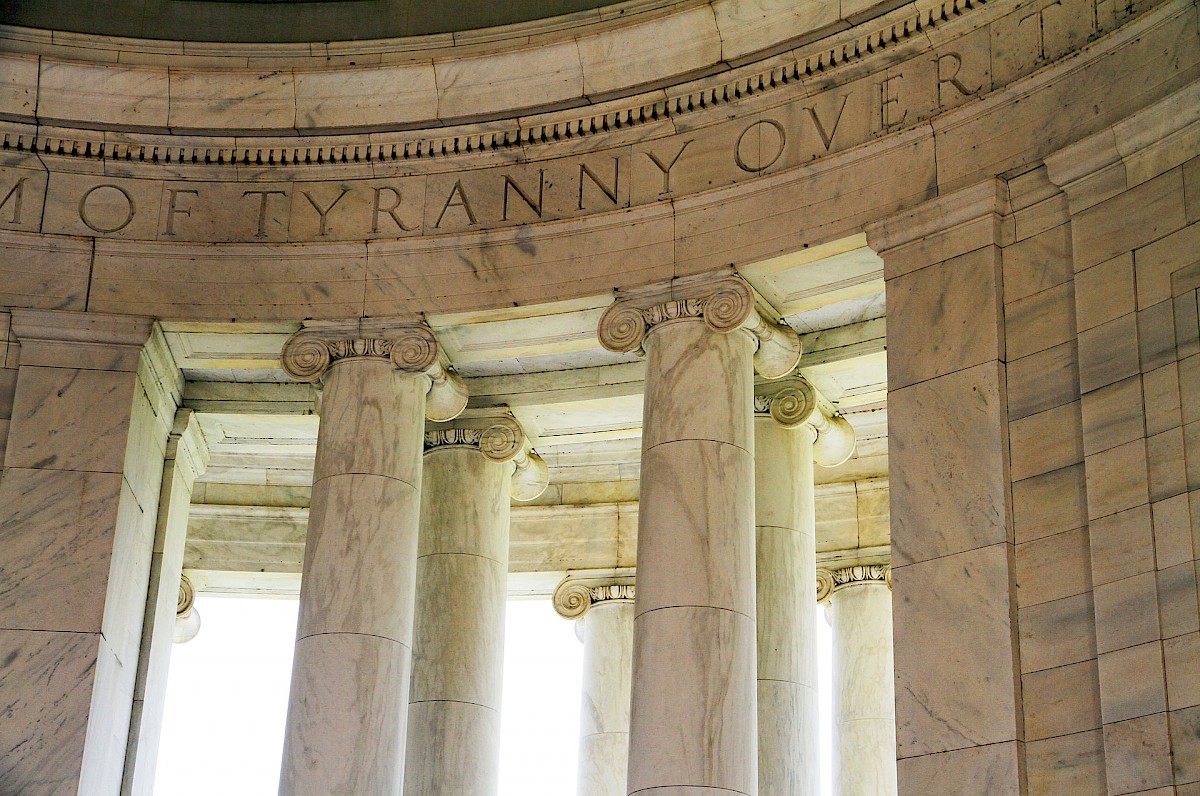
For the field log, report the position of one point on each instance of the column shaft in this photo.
(693, 723)
(863, 691)
(349, 698)
(462, 571)
(607, 633)
(788, 753)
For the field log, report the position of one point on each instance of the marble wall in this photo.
(1042, 330)
(1135, 251)
(78, 504)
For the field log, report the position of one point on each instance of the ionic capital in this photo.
(725, 305)
(575, 596)
(410, 347)
(499, 438)
(794, 403)
(187, 618)
(830, 581)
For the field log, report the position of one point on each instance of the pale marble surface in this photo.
(46, 680)
(863, 695)
(785, 520)
(955, 614)
(73, 421)
(54, 428)
(368, 412)
(693, 724)
(362, 534)
(607, 634)
(186, 461)
(453, 747)
(346, 719)
(694, 705)
(697, 386)
(948, 480)
(458, 639)
(348, 705)
(695, 525)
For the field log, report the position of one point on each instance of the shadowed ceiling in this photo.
(280, 20)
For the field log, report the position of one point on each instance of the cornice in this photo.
(1128, 153)
(820, 61)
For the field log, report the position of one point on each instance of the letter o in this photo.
(130, 210)
(737, 150)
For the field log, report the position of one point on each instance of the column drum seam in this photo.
(354, 633)
(707, 607)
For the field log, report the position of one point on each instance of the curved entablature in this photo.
(759, 162)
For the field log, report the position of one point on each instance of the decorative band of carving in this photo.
(818, 59)
(309, 353)
(726, 306)
(500, 439)
(830, 581)
(573, 598)
(410, 347)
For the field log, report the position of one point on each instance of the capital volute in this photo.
(831, 581)
(187, 618)
(410, 347)
(499, 438)
(577, 595)
(791, 403)
(794, 403)
(725, 305)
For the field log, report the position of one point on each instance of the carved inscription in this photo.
(419, 199)
(110, 221)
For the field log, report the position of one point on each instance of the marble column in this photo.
(348, 708)
(864, 704)
(693, 723)
(93, 407)
(186, 460)
(462, 590)
(788, 421)
(603, 610)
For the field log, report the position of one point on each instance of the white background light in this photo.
(228, 689)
